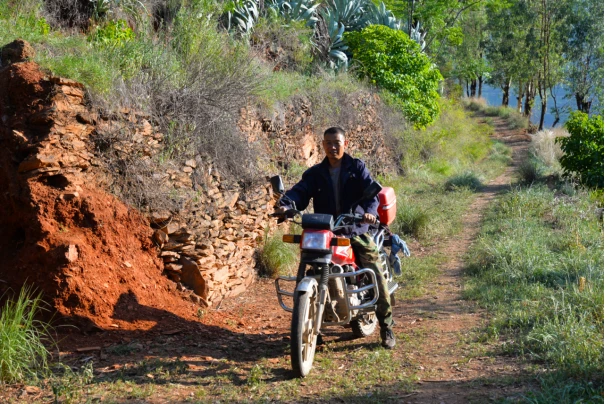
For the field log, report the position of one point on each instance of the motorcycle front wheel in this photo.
(303, 339)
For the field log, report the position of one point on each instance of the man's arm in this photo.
(300, 193)
(371, 206)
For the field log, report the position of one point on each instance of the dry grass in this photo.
(544, 147)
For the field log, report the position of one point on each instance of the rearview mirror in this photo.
(371, 191)
(277, 185)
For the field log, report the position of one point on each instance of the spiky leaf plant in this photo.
(351, 13)
(381, 15)
(243, 17)
(296, 10)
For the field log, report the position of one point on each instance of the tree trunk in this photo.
(473, 87)
(582, 103)
(542, 112)
(480, 86)
(505, 93)
(520, 95)
(530, 95)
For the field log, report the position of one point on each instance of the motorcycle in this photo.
(330, 288)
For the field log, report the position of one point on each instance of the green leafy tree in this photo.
(391, 60)
(584, 148)
(583, 51)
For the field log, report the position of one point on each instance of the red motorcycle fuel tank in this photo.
(343, 255)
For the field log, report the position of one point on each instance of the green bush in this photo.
(391, 60)
(23, 354)
(113, 33)
(584, 148)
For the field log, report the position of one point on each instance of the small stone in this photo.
(127, 264)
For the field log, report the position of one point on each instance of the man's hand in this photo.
(368, 219)
(280, 209)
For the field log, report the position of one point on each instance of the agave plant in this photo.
(243, 17)
(337, 58)
(296, 10)
(351, 13)
(417, 35)
(380, 15)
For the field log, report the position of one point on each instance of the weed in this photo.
(124, 349)
(276, 257)
(467, 180)
(68, 385)
(530, 171)
(23, 353)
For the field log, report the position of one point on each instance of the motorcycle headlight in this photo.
(315, 241)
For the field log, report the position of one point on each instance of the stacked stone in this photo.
(213, 253)
(289, 135)
(64, 154)
(143, 139)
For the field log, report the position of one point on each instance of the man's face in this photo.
(334, 146)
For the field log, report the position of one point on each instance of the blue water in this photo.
(493, 96)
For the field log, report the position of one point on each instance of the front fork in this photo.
(323, 291)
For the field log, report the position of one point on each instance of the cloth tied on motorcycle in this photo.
(317, 184)
(397, 244)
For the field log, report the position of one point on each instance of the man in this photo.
(334, 185)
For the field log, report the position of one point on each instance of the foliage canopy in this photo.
(393, 61)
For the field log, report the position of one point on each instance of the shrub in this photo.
(22, 351)
(391, 60)
(530, 171)
(467, 179)
(584, 148)
(112, 33)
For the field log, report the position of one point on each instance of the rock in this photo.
(37, 161)
(160, 237)
(71, 254)
(192, 277)
(15, 52)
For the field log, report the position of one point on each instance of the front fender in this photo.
(306, 285)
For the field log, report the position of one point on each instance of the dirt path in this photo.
(453, 370)
(218, 354)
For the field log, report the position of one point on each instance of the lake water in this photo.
(493, 96)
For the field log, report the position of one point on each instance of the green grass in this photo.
(23, 354)
(276, 257)
(526, 266)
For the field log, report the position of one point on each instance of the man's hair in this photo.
(335, 130)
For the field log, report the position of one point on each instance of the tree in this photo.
(583, 51)
(393, 61)
(469, 62)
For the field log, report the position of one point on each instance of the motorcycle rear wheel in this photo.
(303, 339)
(364, 327)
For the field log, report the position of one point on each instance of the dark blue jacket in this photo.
(317, 184)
